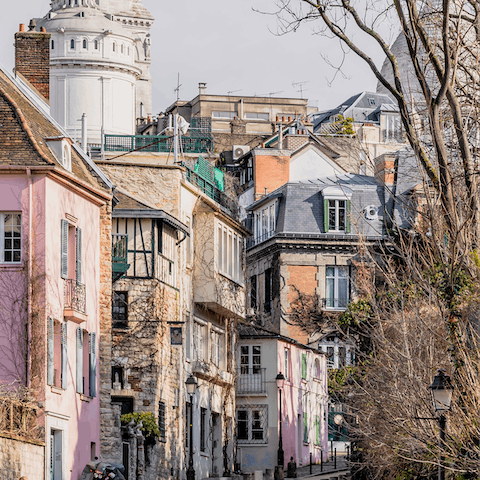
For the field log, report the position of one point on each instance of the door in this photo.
(56, 455)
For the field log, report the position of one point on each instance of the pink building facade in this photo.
(303, 409)
(52, 205)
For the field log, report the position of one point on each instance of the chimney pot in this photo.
(202, 88)
(21, 27)
(32, 25)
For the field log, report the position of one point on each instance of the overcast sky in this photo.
(228, 45)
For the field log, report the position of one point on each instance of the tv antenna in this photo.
(233, 91)
(178, 87)
(270, 94)
(300, 87)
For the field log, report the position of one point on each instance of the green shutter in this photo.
(325, 214)
(92, 365)
(347, 229)
(79, 360)
(64, 356)
(304, 366)
(317, 430)
(79, 255)
(64, 249)
(50, 351)
(305, 428)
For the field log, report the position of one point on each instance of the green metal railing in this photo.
(156, 143)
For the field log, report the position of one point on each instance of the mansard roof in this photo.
(25, 129)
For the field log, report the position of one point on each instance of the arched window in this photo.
(84, 44)
(95, 43)
(317, 368)
(53, 44)
(128, 51)
(121, 48)
(72, 44)
(114, 46)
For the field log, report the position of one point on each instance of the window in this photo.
(337, 209)
(216, 340)
(120, 310)
(121, 48)
(305, 427)
(337, 287)
(317, 368)
(167, 250)
(267, 303)
(250, 359)
(71, 252)
(286, 369)
(114, 46)
(86, 370)
(92, 364)
(317, 430)
(304, 366)
(95, 44)
(229, 253)
(200, 341)
(56, 353)
(264, 224)
(53, 45)
(10, 237)
(257, 116)
(72, 44)
(226, 115)
(161, 420)
(84, 44)
(252, 424)
(203, 429)
(253, 291)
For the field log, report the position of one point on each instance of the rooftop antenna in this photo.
(270, 94)
(178, 87)
(300, 87)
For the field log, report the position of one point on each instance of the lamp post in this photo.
(280, 379)
(191, 385)
(442, 390)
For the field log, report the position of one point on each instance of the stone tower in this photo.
(99, 65)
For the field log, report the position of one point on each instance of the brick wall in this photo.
(385, 168)
(19, 458)
(32, 59)
(293, 142)
(270, 172)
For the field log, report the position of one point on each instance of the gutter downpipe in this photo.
(29, 279)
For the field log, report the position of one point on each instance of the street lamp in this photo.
(280, 379)
(191, 385)
(442, 390)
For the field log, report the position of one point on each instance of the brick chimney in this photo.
(32, 57)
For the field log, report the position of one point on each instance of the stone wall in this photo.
(19, 458)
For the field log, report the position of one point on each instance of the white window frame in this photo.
(250, 365)
(337, 194)
(263, 409)
(2, 239)
(338, 304)
(264, 222)
(262, 116)
(224, 115)
(217, 342)
(200, 340)
(229, 253)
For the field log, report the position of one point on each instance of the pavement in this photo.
(328, 471)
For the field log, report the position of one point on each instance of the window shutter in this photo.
(64, 250)
(50, 351)
(317, 430)
(347, 229)
(64, 356)
(304, 366)
(93, 365)
(325, 214)
(305, 428)
(79, 360)
(79, 255)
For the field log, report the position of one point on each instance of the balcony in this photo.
(119, 255)
(212, 373)
(251, 381)
(252, 241)
(156, 143)
(74, 307)
(339, 304)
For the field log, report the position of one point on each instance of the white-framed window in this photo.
(10, 237)
(250, 359)
(339, 353)
(200, 340)
(216, 346)
(229, 252)
(264, 223)
(286, 365)
(337, 287)
(337, 209)
(72, 44)
(224, 115)
(252, 424)
(257, 116)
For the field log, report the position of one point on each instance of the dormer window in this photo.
(337, 209)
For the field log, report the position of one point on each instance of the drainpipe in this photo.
(280, 136)
(84, 133)
(29, 279)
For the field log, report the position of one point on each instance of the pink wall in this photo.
(77, 415)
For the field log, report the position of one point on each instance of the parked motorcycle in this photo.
(97, 470)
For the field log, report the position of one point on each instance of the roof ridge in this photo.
(26, 128)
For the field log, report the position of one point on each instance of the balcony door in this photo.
(250, 368)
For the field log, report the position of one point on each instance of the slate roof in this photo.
(301, 206)
(23, 130)
(363, 107)
(126, 202)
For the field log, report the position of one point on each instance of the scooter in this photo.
(97, 470)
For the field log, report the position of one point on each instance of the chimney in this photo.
(32, 57)
(202, 88)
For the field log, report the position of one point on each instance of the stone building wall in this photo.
(18, 457)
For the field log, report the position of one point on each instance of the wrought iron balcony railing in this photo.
(251, 380)
(75, 296)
